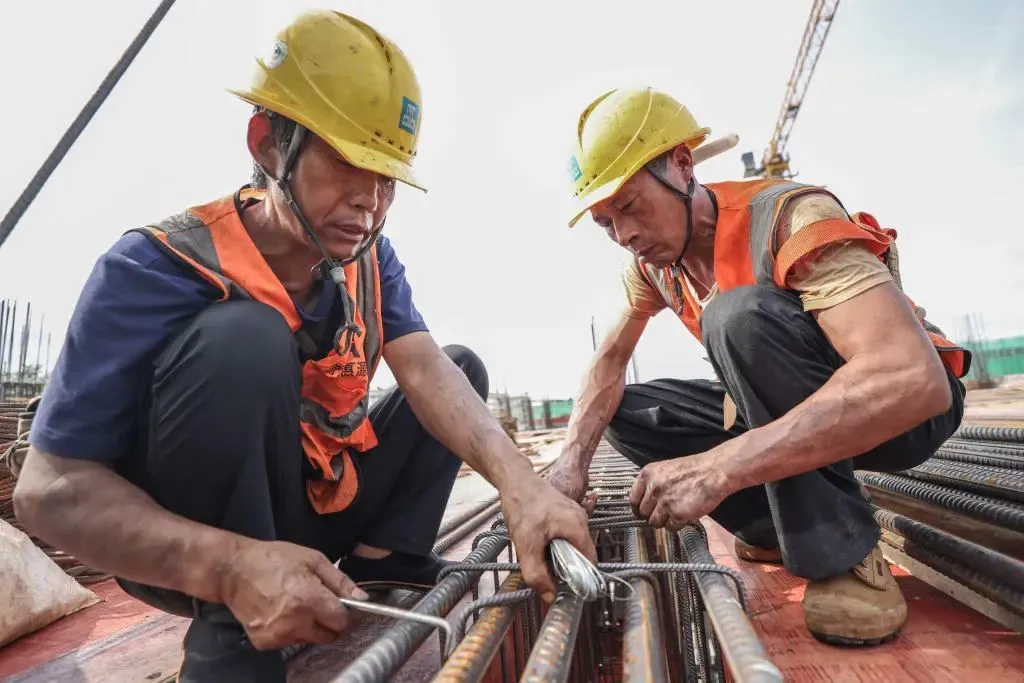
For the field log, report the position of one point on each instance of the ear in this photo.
(682, 163)
(260, 140)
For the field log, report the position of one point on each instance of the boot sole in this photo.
(853, 642)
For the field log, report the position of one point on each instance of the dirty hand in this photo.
(570, 479)
(535, 514)
(672, 493)
(284, 594)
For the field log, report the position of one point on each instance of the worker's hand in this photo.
(672, 493)
(536, 514)
(570, 479)
(284, 594)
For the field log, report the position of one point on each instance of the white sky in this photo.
(915, 114)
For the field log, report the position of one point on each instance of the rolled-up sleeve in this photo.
(837, 272)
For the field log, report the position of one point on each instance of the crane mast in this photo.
(775, 162)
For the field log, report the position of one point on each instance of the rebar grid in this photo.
(650, 625)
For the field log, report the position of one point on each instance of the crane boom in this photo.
(775, 163)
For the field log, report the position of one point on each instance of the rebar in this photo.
(550, 661)
(1001, 567)
(386, 655)
(748, 661)
(1001, 513)
(990, 433)
(643, 645)
(988, 481)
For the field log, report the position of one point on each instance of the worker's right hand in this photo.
(536, 514)
(284, 594)
(570, 479)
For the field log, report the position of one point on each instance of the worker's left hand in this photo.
(535, 514)
(672, 493)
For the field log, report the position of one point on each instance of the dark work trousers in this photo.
(223, 447)
(771, 355)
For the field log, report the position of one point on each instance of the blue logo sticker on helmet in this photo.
(410, 116)
(574, 169)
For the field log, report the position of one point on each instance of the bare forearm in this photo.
(451, 411)
(598, 401)
(861, 406)
(97, 516)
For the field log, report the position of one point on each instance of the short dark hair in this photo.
(281, 129)
(659, 164)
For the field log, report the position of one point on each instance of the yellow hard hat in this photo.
(349, 85)
(618, 133)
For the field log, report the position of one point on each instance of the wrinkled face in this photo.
(645, 218)
(342, 203)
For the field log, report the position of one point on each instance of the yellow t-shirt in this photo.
(830, 276)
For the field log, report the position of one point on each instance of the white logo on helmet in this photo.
(277, 55)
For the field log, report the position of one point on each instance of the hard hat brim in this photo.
(701, 152)
(595, 196)
(358, 155)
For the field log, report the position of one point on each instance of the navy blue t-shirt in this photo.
(135, 299)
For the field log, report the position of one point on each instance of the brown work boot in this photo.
(751, 553)
(863, 606)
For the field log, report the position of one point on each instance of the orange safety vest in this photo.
(747, 250)
(211, 240)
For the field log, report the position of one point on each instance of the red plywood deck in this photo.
(943, 640)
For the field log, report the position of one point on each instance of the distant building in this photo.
(996, 357)
(531, 414)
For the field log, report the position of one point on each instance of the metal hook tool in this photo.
(396, 613)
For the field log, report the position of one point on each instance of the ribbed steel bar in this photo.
(1007, 462)
(989, 433)
(462, 518)
(450, 539)
(472, 657)
(1006, 448)
(988, 481)
(643, 645)
(1001, 567)
(551, 658)
(1010, 597)
(998, 512)
(386, 655)
(748, 661)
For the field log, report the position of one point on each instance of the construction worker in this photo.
(823, 365)
(206, 435)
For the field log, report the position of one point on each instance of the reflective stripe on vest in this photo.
(747, 251)
(334, 404)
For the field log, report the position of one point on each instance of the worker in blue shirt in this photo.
(206, 435)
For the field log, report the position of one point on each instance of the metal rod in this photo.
(473, 655)
(643, 646)
(747, 659)
(81, 121)
(395, 613)
(387, 654)
(551, 658)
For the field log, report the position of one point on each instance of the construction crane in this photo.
(775, 163)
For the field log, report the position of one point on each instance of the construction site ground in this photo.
(121, 639)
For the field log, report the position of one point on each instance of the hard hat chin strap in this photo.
(335, 268)
(685, 197)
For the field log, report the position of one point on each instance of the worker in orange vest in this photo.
(207, 436)
(824, 366)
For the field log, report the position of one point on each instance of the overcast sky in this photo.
(914, 114)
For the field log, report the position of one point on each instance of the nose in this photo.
(623, 232)
(364, 191)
